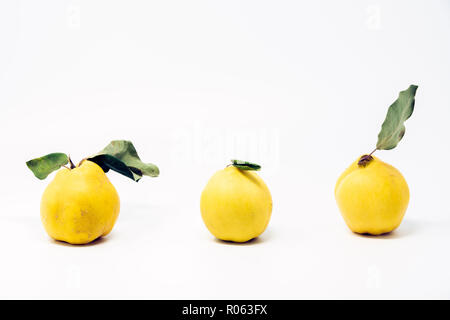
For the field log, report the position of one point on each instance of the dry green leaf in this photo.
(393, 128)
(43, 166)
(122, 157)
(245, 165)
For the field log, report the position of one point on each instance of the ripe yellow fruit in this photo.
(236, 205)
(372, 198)
(80, 204)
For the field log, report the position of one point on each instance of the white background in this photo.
(301, 88)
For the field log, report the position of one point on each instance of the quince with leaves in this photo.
(81, 204)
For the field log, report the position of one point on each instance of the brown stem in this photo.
(82, 160)
(72, 166)
(365, 159)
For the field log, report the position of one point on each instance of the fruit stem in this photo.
(82, 161)
(72, 166)
(365, 159)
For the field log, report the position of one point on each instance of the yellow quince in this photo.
(80, 204)
(372, 198)
(236, 204)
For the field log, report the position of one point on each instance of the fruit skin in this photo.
(372, 199)
(80, 204)
(236, 205)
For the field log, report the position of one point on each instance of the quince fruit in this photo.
(372, 198)
(236, 204)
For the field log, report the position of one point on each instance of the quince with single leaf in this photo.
(236, 204)
(372, 195)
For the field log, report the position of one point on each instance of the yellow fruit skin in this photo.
(372, 199)
(80, 204)
(236, 205)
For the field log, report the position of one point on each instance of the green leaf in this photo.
(45, 165)
(107, 162)
(245, 165)
(121, 156)
(393, 128)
